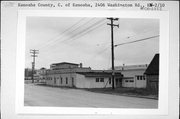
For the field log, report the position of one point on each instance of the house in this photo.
(133, 75)
(75, 75)
(152, 74)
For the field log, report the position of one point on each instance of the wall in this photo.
(55, 79)
(153, 83)
(90, 82)
(127, 83)
(130, 79)
(94, 84)
(141, 82)
(80, 81)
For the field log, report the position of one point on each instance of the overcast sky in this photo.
(88, 41)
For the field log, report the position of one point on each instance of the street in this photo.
(36, 95)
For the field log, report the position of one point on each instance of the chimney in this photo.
(80, 65)
(123, 66)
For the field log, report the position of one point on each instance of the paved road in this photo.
(66, 97)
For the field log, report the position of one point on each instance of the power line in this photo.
(83, 33)
(89, 29)
(136, 41)
(78, 28)
(57, 40)
(57, 37)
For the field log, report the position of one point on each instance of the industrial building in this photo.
(133, 75)
(75, 75)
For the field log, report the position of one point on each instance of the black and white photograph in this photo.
(84, 59)
(96, 62)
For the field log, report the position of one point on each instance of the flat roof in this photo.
(99, 74)
(132, 67)
(64, 63)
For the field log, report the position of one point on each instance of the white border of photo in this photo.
(163, 16)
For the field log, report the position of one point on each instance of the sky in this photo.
(88, 41)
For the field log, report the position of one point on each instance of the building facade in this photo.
(41, 73)
(133, 75)
(152, 75)
(75, 75)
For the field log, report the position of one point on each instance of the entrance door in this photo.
(72, 82)
(118, 82)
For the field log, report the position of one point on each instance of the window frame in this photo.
(97, 80)
(66, 80)
(109, 80)
(101, 79)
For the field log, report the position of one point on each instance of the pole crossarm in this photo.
(111, 18)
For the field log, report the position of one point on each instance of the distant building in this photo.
(27, 73)
(152, 74)
(63, 65)
(75, 75)
(41, 73)
(133, 75)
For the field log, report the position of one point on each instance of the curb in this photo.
(137, 96)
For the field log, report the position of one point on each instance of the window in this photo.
(54, 80)
(137, 77)
(97, 79)
(140, 77)
(72, 81)
(101, 79)
(66, 80)
(109, 80)
(131, 80)
(61, 80)
(144, 77)
(126, 81)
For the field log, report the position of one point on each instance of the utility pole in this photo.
(34, 54)
(112, 46)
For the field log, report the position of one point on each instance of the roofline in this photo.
(131, 69)
(64, 63)
(100, 74)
